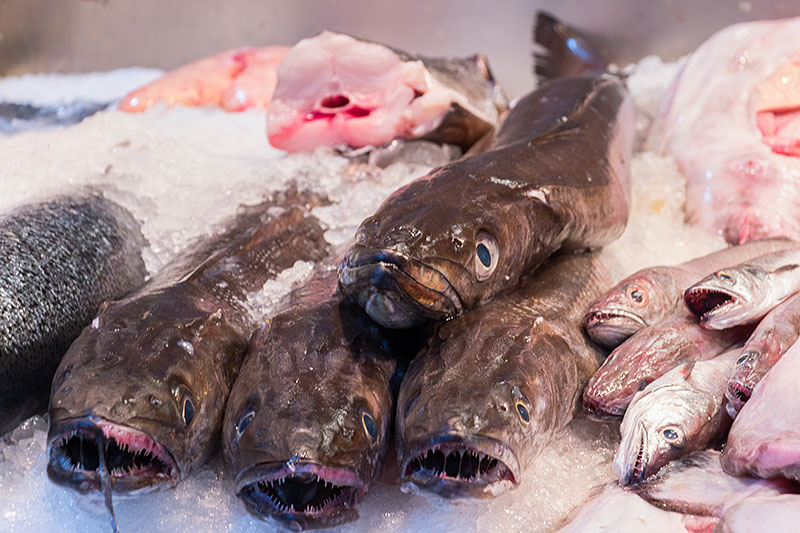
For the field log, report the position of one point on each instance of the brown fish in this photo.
(556, 177)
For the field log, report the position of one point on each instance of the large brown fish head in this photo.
(151, 376)
(467, 423)
(422, 257)
(307, 424)
(634, 303)
(661, 425)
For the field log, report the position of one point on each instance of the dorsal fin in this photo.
(562, 51)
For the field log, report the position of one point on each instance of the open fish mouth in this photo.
(638, 469)
(454, 466)
(596, 409)
(737, 394)
(397, 291)
(612, 325)
(710, 302)
(135, 460)
(301, 495)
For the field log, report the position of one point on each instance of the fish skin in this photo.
(180, 338)
(415, 258)
(659, 289)
(16, 118)
(649, 354)
(762, 513)
(688, 400)
(744, 293)
(310, 375)
(775, 334)
(738, 185)
(764, 440)
(61, 259)
(462, 392)
(334, 89)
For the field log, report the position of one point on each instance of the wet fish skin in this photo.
(762, 513)
(467, 395)
(153, 371)
(775, 334)
(528, 195)
(744, 293)
(649, 354)
(652, 294)
(675, 415)
(334, 89)
(764, 440)
(61, 259)
(296, 412)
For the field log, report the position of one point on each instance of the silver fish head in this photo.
(434, 250)
(468, 424)
(729, 297)
(634, 303)
(307, 424)
(661, 424)
(154, 391)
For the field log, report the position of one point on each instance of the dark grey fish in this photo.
(154, 370)
(59, 261)
(495, 384)
(16, 118)
(309, 419)
(555, 177)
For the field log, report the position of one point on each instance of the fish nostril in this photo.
(337, 100)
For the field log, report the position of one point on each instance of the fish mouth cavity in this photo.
(455, 466)
(397, 290)
(637, 472)
(593, 318)
(135, 460)
(304, 494)
(737, 394)
(708, 302)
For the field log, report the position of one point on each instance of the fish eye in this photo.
(486, 255)
(523, 412)
(637, 295)
(724, 275)
(673, 436)
(368, 424)
(745, 357)
(244, 420)
(185, 403)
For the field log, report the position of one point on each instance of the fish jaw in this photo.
(717, 307)
(437, 465)
(136, 461)
(632, 461)
(395, 290)
(301, 495)
(610, 326)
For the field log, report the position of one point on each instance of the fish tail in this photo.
(562, 51)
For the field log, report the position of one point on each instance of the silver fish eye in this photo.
(486, 255)
(368, 424)
(724, 275)
(745, 357)
(673, 436)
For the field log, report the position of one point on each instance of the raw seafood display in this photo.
(334, 89)
(61, 259)
(732, 122)
(456, 237)
(652, 294)
(233, 80)
(496, 384)
(140, 401)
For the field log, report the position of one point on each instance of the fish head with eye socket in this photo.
(152, 373)
(663, 423)
(307, 424)
(439, 247)
(636, 302)
(467, 423)
(730, 296)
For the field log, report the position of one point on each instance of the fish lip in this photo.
(637, 471)
(708, 302)
(505, 474)
(366, 273)
(338, 511)
(122, 482)
(593, 317)
(596, 411)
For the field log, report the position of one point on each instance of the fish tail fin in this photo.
(562, 51)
